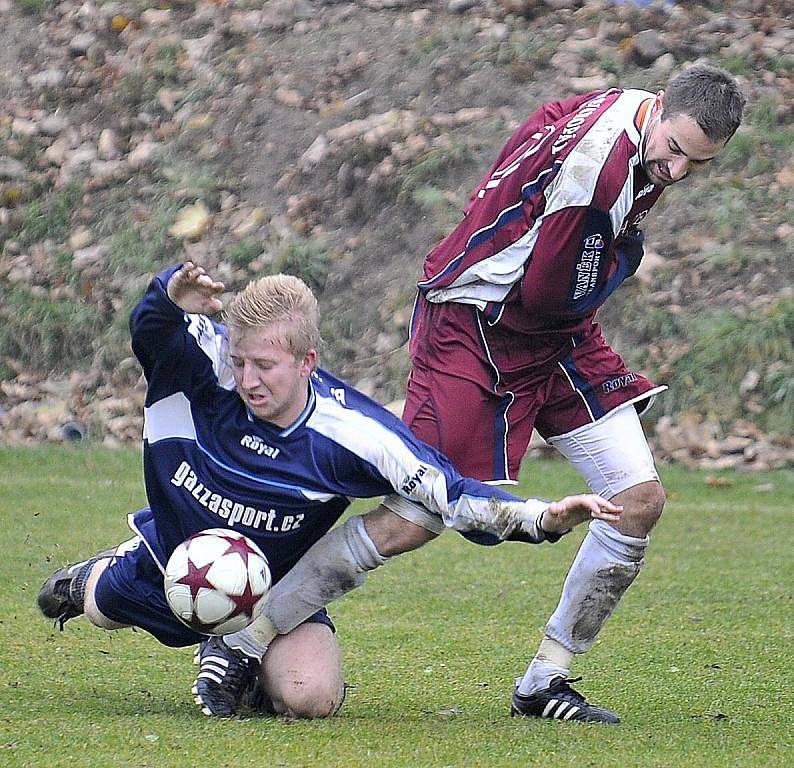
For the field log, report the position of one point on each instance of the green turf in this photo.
(696, 660)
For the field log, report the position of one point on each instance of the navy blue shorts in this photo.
(130, 591)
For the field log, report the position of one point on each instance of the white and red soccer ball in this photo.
(216, 581)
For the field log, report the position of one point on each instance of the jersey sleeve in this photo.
(178, 351)
(382, 456)
(465, 504)
(529, 130)
(585, 238)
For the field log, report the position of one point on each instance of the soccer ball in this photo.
(216, 581)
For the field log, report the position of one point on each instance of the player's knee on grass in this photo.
(311, 699)
(642, 508)
(302, 673)
(393, 535)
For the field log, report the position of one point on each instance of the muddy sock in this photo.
(334, 565)
(605, 566)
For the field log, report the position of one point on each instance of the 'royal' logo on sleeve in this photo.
(410, 483)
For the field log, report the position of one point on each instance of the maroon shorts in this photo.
(476, 392)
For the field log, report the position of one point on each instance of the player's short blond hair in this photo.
(279, 300)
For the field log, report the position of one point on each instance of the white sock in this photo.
(605, 566)
(333, 566)
(254, 640)
(552, 660)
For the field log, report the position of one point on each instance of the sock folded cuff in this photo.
(624, 548)
(361, 546)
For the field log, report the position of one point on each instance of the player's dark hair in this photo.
(710, 96)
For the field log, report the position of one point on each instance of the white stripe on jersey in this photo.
(413, 477)
(624, 201)
(490, 279)
(630, 101)
(380, 446)
(574, 185)
(215, 346)
(169, 418)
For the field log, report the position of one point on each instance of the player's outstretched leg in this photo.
(560, 702)
(334, 565)
(224, 676)
(62, 596)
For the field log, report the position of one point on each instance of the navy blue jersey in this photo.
(208, 462)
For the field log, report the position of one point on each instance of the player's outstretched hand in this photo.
(569, 512)
(193, 290)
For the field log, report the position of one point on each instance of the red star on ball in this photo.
(245, 603)
(195, 578)
(241, 547)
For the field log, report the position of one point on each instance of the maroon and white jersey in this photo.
(552, 229)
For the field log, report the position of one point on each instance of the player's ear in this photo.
(658, 102)
(309, 362)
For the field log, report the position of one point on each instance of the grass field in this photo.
(697, 660)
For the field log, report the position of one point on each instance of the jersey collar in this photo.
(307, 411)
(641, 121)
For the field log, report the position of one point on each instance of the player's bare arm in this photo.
(194, 291)
(569, 512)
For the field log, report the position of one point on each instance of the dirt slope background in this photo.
(340, 141)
